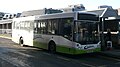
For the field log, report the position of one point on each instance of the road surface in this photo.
(13, 55)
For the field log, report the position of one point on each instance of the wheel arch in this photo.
(21, 40)
(51, 41)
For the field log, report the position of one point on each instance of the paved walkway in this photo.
(112, 53)
(8, 36)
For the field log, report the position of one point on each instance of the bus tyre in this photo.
(21, 41)
(52, 47)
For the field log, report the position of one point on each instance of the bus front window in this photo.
(86, 32)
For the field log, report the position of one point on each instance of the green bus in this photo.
(70, 33)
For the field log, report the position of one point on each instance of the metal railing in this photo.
(5, 31)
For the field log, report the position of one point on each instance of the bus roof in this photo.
(62, 15)
(24, 18)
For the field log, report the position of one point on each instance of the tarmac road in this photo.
(13, 55)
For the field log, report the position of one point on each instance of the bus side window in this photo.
(39, 27)
(67, 29)
(43, 27)
(35, 27)
(52, 26)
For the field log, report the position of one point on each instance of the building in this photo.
(105, 6)
(118, 11)
(6, 26)
(119, 24)
(1, 15)
(6, 23)
(108, 20)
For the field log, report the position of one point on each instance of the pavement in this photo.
(115, 53)
(8, 36)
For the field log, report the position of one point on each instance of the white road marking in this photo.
(63, 58)
(102, 66)
(110, 58)
(88, 65)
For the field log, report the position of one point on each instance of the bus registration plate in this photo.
(90, 51)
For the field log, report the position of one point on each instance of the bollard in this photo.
(109, 45)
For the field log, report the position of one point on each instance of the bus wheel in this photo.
(21, 41)
(52, 47)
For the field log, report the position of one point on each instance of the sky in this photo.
(16, 6)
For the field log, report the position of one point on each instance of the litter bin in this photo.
(109, 45)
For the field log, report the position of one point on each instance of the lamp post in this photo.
(103, 39)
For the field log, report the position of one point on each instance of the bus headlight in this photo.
(78, 46)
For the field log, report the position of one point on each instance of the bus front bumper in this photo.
(78, 51)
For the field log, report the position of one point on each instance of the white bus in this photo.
(70, 33)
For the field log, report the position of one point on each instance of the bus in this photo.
(70, 33)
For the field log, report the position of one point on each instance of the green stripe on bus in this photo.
(61, 49)
(65, 49)
(77, 51)
(40, 45)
